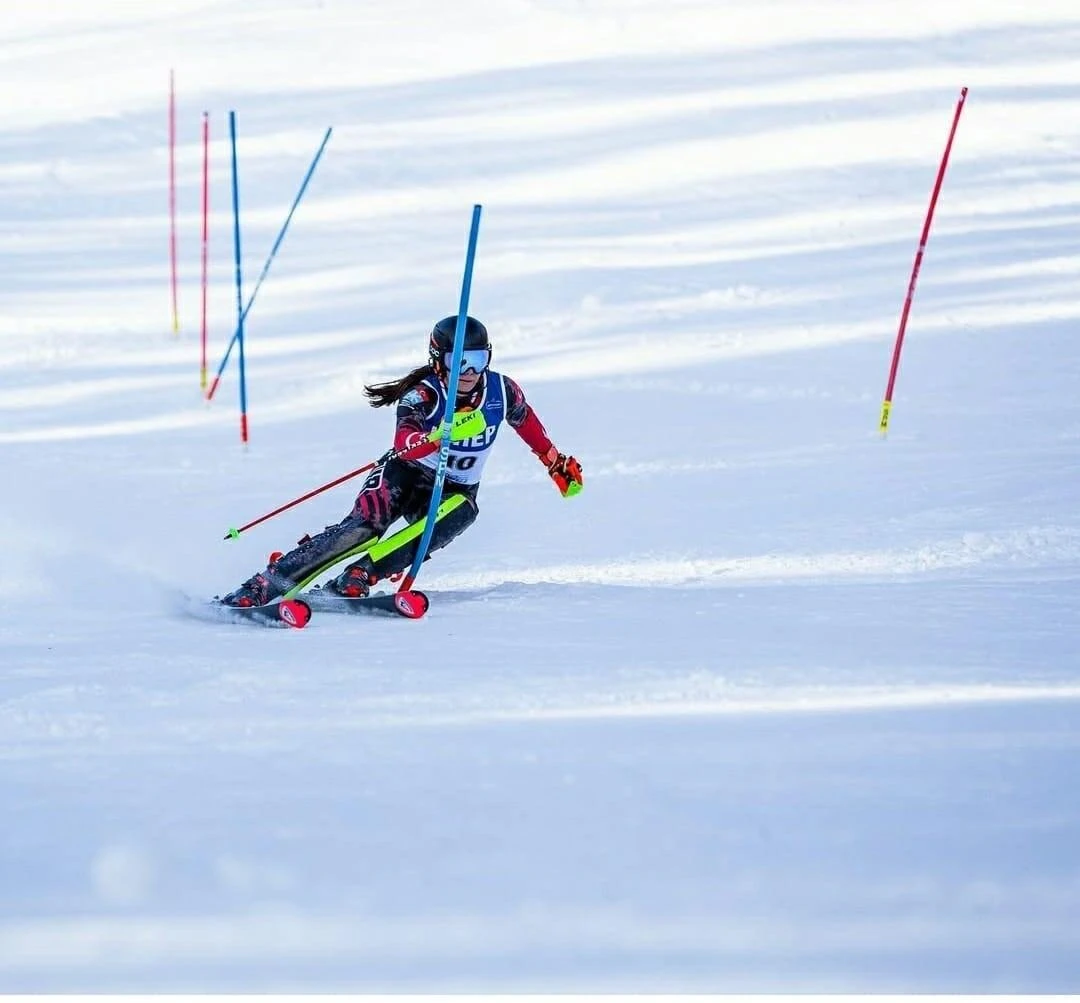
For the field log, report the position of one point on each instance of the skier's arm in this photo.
(564, 470)
(522, 419)
(413, 424)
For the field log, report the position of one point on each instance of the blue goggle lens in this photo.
(472, 359)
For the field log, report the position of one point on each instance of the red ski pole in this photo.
(464, 426)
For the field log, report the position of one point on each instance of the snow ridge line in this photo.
(1033, 547)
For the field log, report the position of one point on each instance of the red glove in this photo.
(564, 470)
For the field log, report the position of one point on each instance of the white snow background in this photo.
(775, 704)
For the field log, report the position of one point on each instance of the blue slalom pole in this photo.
(269, 261)
(451, 401)
(239, 282)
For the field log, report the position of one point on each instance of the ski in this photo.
(279, 613)
(409, 603)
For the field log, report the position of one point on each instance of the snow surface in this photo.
(775, 704)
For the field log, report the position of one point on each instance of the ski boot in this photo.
(256, 591)
(353, 583)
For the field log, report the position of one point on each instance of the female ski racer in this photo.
(402, 486)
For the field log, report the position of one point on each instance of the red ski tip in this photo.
(411, 604)
(295, 612)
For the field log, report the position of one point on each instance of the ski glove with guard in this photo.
(564, 470)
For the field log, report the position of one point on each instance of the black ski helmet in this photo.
(442, 340)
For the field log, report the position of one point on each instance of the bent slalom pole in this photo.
(466, 424)
(886, 407)
(269, 262)
(451, 399)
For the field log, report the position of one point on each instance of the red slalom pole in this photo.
(172, 197)
(205, 237)
(886, 407)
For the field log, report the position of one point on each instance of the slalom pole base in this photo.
(294, 612)
(411, 604)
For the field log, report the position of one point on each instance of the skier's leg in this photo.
(397, 552)
(376, 506)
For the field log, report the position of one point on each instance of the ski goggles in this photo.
(474, 360)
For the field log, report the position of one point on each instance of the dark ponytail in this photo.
(385, 394)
